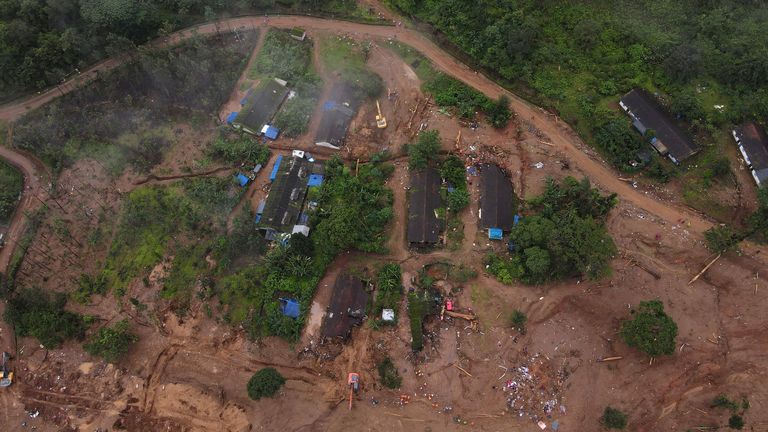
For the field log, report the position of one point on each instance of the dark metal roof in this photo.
(337, 113)
(424, 197)
(262, 106)
(286, 197)
(348, 295)
(754, 141)
(646, 111)
(495, 198)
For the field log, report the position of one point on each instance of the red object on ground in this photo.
(449, 305)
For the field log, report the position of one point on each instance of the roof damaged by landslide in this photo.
(286, 197)
(424, 199)
(347, 307)
(645, 109)
(496, 198)
(338, 111)
(262, 106)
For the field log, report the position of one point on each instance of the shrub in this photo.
(389, 287)
(651, 330)
(111, 343)
(388, 374)
(736, 422)
(424, 150)
(613, 418)
(417, 311)
(88, 285)
(722, 401)
(34, 312)
(265, 383)
(518, 320)
(498, 112)
(722, 238)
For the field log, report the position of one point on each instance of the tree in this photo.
(612, 418)
(265, 383)
(111, 343)
(458, 199)
(388, 374)
(424, 150)
(498, 112)
(736, 422)
(34, 312)
(651, 330)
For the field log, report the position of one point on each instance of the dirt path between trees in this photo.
(561, 136)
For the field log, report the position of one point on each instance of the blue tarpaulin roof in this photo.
(231, 117)
(271, 132)
(273, 175)
(242, 179)
(495, 233)
(289, 307)
(315, 180)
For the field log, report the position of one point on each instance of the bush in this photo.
(518, 320)
(651, 330)
(34, 312)
(613, 418)
(498, 112)
(736, 422)
(265, 383)
(722, 401)
(389, 288)
(111, 343)
(88, 285)
(235, 148)
(418, 308)
(452, 93)
(388, 374)
(722, 238)
(11, 182)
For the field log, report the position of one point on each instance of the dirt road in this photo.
(562, 137)
(35, 178)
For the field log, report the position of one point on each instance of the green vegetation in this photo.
(566, 236)
(265, 383)
(454, 173)
(418, 309)
(11, 183)
(33, 223)
(354, 211)
(722, 401)
(580, 57)
(289, 59)
(388, 374)
(347, 57)
(722, 238)
(236, 148)
(612, 418)
(389, 288)
(34, 312)
(43, 43)
(736, 422)
(111, 343)
(650, 330)
(425, 150)
(88, 285)
(518, 320)
(121, 118)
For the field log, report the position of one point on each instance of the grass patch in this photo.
(11, 183)
(389, 289)
(347, 57)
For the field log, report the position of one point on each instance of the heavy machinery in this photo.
(7, 377)
(381, 122)
(353, 381)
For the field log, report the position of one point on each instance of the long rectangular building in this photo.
(285, 201)
(753, 145)
(261, 106)
(646, 114)
(424, 199)
(496, 198)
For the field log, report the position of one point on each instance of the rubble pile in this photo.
(534, 389)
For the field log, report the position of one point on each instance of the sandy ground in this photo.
(191, 374)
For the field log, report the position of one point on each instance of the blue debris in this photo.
(289, 307)
(270, 132)
(495, 233)
(242, 179)
(315, 180)
(273, 174)
(516, 220)
(231, 117)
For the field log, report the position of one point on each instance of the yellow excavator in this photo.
(6, 379)
(381, 122)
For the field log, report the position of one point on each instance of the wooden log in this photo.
(706, 267)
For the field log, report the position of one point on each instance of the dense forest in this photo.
(708, 59)
(45, 41)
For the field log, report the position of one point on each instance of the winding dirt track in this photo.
(562, 137)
